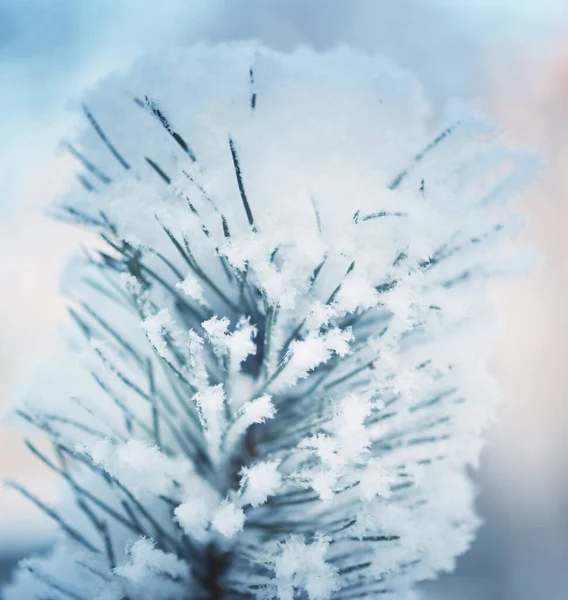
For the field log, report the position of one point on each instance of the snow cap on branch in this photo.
(290, 325)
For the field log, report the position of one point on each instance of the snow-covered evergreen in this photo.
(275, 379)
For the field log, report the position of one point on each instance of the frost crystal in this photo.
(303, 566)
(191, 287)
(282, 341)
(146, 560)
(260, 481)
(228, 519)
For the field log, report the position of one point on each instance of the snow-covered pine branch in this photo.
(275, 378)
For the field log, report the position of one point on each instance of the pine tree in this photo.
(274, 379)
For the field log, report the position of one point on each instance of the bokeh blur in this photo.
(508, 58)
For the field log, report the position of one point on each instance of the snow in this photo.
(303, 566)
(304, 356)
(375, 480)
(255, 411)
(237, 345)
(228, 519)
(211, 402)
(137, 465)
(156, 327)
(259, 481)
(192, 288)
(146, 559)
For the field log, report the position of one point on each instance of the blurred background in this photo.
(507, 57)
